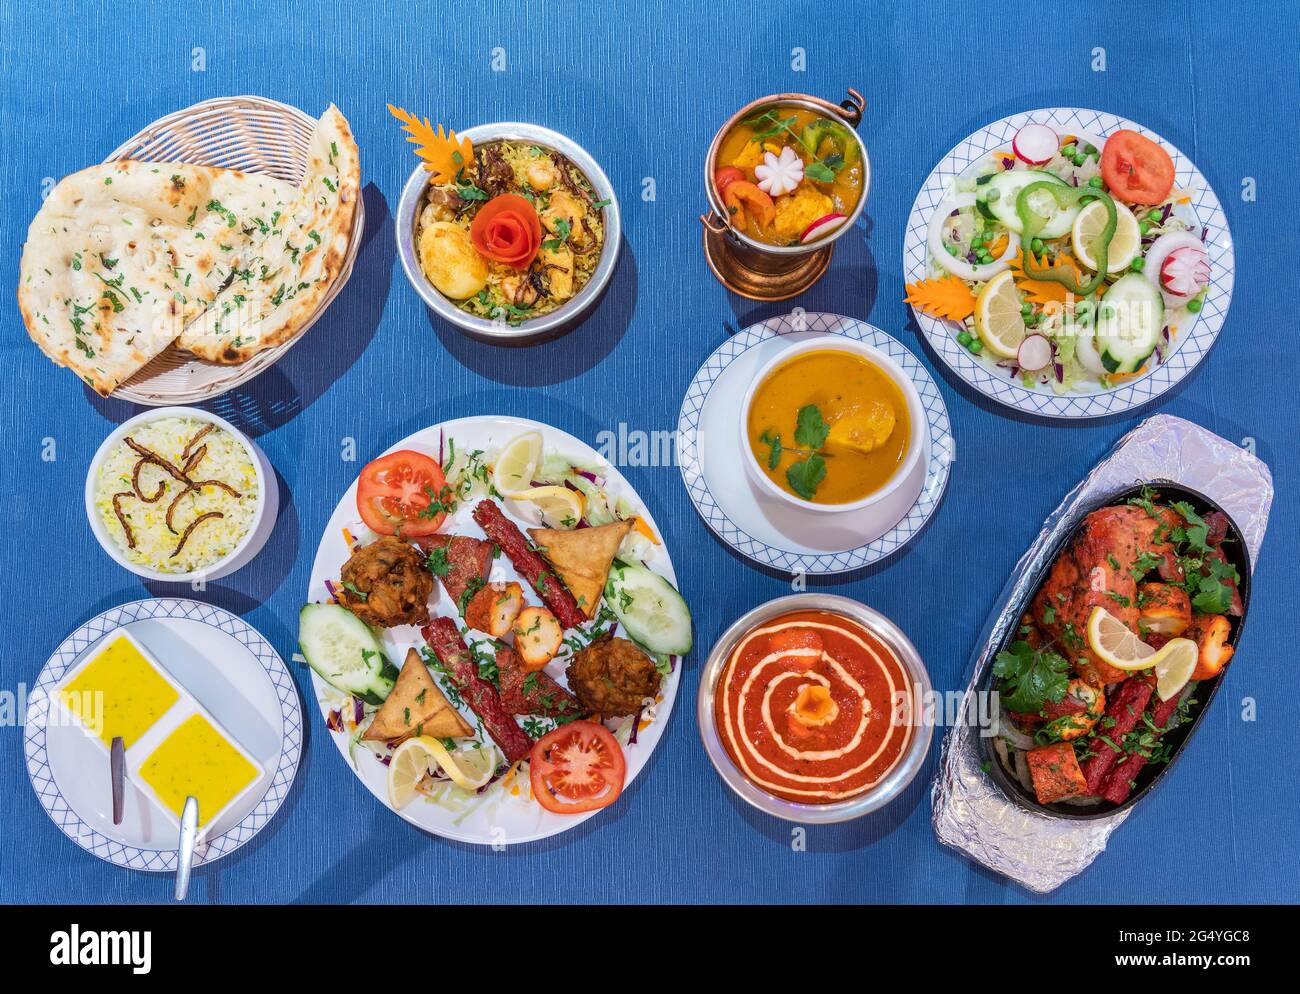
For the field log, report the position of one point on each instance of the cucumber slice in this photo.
(650, 608)
(344, 652)
(1003, 205)
(1132, 313)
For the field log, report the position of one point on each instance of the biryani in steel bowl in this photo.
(508, 230)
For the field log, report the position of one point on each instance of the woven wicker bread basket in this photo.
(255, 135)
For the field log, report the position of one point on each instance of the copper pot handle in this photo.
(852, 108)
(714, 223)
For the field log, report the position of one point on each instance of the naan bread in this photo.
(294, 266)
(125, 258)
(122, 255)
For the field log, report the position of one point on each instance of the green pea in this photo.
(1137, 264)
(1068, 151)
(1080, 159)
(1194, 305)
(1154, 215)
(1026, 309)
(1143, 227)
(1095, 182)
(976, 346)
(964, 337)
(984, 257)
(1090, 149)
(1036, 246)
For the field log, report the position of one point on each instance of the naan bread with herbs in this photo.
(121, 256)
(296, 261)
(126, 258)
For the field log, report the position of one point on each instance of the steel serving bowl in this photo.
(848, 113)
(563, 317)
(909, 764)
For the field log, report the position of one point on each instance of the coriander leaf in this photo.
(812, 429)
(1196, 530)
(1030, 677)
(773, 457)
(806, 476)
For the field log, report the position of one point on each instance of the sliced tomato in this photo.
(1136, 169)
(726, 176)
(577, 767)
(395, 494)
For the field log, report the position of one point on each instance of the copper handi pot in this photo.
(755, 269)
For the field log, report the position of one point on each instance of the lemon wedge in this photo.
(1174, 665)
(469, 766)
(517, 464)
(412, 760)
(998, 320)
(560, 507)
(1124, 245)
(1115, 644)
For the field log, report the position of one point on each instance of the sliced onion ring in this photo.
(960, 267)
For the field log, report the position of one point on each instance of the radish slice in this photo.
(823, 226)
(1036, 144)
(960, 267)
(1035, 353)
(1185, 271)
(1161, 249)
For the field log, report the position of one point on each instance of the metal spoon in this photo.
(117, 771)
(189, 837)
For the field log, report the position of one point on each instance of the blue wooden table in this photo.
(644, 91)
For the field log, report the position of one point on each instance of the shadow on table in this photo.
(327, 350)
(852, 276)
(556, 360)
(850, 835)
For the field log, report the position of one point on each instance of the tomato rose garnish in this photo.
(507, 230)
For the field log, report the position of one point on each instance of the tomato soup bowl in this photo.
(905, 766)
(918, 423)
(558, 321)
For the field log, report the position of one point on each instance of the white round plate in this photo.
(773, 532)
(1193, 341)
(498, 816)
(233, 672)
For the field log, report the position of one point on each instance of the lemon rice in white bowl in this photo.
(177, 494)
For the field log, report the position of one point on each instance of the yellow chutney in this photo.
(119, 692)
(829, 426)
(197, 759)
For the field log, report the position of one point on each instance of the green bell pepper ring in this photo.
(1032, 223)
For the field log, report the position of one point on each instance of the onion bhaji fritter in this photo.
(387, 583)
(612, 677)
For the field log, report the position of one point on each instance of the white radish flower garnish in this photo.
(777, 176)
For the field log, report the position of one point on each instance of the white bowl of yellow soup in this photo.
(214, 527)
(831, 424)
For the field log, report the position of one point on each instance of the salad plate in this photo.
(236, 677)
(478, 777)
(1067, 341)
(773, 532)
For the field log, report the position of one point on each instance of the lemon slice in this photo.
(560, 506)
(1174, 665)
(998, 320)
(517, 464)
(1124, 246)
(469, 766)
(412, 760)
(1115, 645)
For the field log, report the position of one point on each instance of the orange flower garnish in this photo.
(944, 297)
(1042, 291)
(443, 153)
